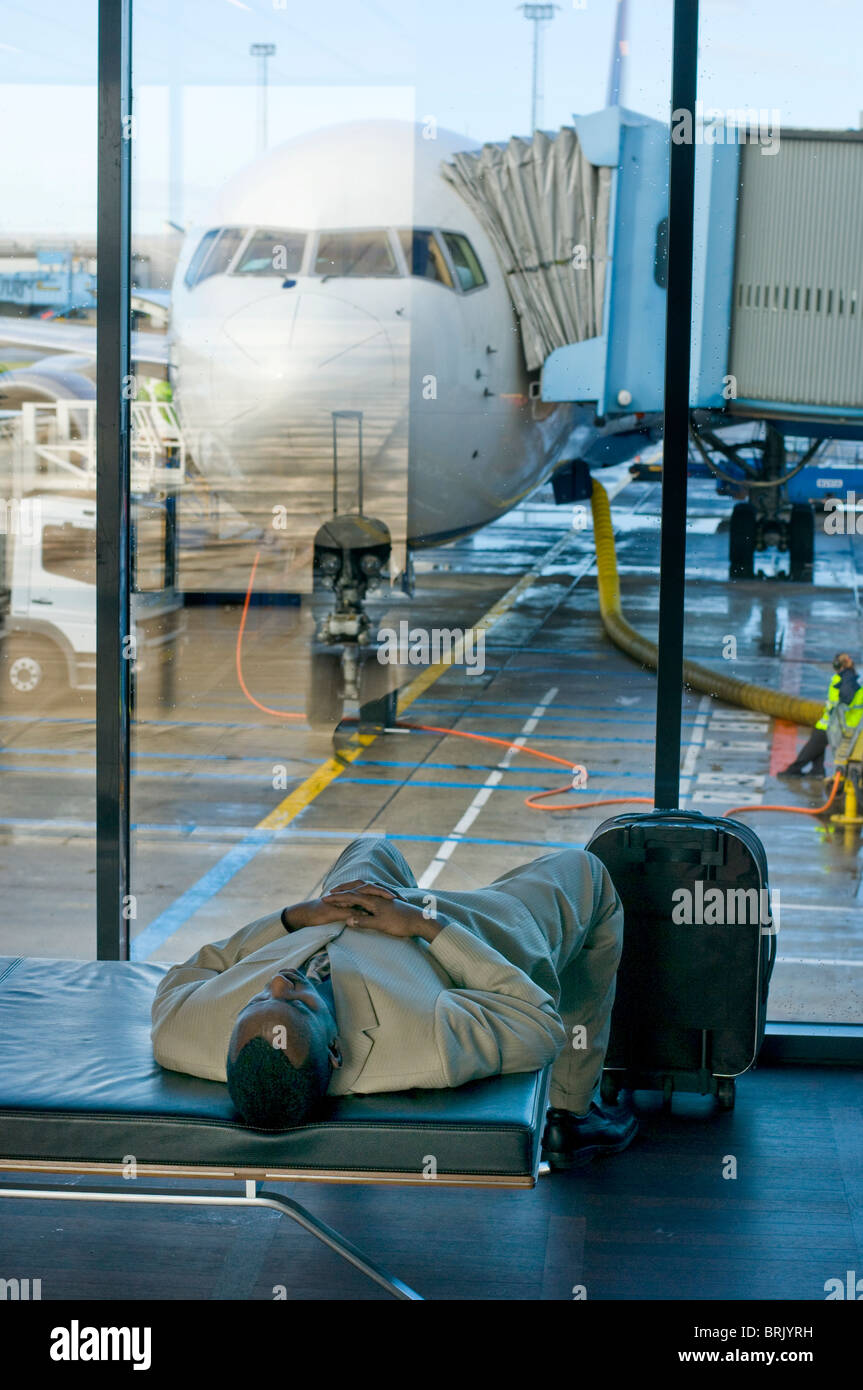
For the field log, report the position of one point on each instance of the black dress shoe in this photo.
(791, 771)
(572, 1141)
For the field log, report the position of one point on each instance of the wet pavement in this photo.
(226, 827)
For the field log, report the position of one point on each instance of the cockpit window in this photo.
(425, 256)
(464, 258)
(204, 247)
(359, 253)
(215, 252)
(271, 252)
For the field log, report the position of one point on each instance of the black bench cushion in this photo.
(78, 1083)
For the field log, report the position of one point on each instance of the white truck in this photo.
(48, 602)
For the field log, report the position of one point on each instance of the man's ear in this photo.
(334, 1052)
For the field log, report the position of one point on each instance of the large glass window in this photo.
(321, 450)
(48, 287)
(774, 557)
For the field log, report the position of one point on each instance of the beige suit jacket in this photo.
(410, 1013)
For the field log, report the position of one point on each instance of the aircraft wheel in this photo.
(741, 545)
(378, 696)
(801, 542)
(32, 671)
(324, 702)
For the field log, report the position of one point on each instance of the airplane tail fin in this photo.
(619, 52)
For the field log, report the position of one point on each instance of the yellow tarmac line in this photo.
(303, 795)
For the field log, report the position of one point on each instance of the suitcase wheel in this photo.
(725, 1093)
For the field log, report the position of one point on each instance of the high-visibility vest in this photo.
(854, 711)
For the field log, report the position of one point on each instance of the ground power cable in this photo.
(697, 677)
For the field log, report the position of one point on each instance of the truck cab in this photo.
(48, 630)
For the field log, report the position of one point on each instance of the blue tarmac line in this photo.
(256, 780)
(188, 903)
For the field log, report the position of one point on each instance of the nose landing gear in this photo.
(352, 554)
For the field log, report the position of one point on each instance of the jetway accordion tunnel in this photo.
(696, 677)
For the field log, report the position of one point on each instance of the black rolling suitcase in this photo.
(698, 951)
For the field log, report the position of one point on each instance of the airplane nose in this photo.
(300, 331)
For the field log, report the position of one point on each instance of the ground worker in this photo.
(845, 690)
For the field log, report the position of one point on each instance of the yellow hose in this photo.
(720, 687)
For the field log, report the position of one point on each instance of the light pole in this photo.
(539, 15)
(262, 51)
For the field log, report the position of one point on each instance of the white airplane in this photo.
(346, 363)
(341, 273)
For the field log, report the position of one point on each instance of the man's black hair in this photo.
(269, 1091)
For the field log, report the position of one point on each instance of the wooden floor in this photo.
(657, 1222)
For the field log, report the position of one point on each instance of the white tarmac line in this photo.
(695, 745)
(816, 960)
(493, 780)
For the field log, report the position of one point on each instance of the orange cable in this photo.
(279, 713)
(529, 801)
(794, 810)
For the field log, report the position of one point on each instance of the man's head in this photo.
(842, 662)
(282, 1052)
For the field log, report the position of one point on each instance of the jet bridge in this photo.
(777, 329)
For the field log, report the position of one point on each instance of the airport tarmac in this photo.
(236, 812)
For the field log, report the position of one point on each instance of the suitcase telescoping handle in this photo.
(641, 845)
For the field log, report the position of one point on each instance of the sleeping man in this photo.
(378, 985)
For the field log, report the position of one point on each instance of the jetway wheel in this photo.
(741, 544)
(801, 542)
(378, 694)
(324, 701)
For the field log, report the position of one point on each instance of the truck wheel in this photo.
(801, 542)
(32, 671)
(741, 544)
(324, 702)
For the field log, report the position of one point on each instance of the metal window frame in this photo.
(788, 1044)
(114, 388)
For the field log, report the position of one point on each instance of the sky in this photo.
(467, 63)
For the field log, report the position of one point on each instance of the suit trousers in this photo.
(558, 918)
